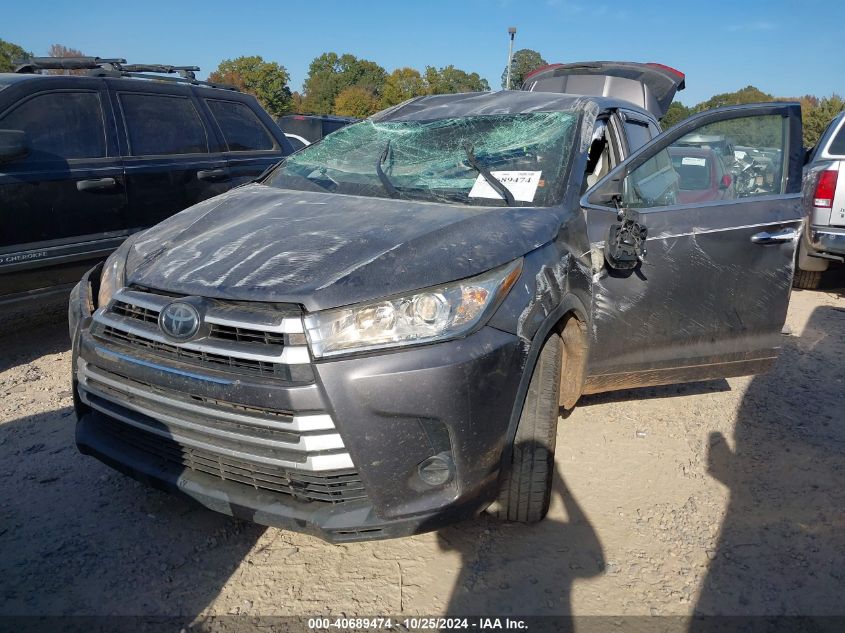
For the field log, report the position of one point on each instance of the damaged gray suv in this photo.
(376, 338)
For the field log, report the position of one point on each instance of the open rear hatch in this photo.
(650, 86)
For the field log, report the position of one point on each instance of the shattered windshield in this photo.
(516, 159)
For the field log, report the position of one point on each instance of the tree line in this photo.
(346, 85)
(341, 84)
(350, 86)
(816, 112)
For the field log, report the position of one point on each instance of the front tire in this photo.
(527, 480)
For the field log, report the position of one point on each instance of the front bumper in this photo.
(348, 521)
(393, 411)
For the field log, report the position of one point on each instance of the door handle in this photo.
(213, 174)
(777, 237)
(96, 184)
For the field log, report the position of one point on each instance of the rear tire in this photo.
(526, 484)
(806, 279)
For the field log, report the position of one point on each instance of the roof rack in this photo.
(103, 72)
(186, 72)
(116, 67)
(34, 64)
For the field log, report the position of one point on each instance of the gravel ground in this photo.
(719, 497)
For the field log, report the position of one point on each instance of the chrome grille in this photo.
(181, 353)
(239, 337)
(135, 312)
(334, 487)
(294, 441)
(244, 335)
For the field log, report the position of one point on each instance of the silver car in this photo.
(824, 193)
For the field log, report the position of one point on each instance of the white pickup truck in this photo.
(824, 187)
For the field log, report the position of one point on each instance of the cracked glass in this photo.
(439, 160)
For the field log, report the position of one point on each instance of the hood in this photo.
(323, 250)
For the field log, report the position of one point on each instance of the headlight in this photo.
(114, 273)
(432, 314)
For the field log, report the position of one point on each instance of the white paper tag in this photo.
(690, 160)
(521, 184)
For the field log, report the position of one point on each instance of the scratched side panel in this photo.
(705, 297)
(560, 267)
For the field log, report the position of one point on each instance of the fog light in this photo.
(436, 471)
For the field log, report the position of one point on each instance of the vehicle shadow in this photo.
(81, 539)
(781, 549)
(660, 391)
(30, 332)
(517, 569)
(833, 280)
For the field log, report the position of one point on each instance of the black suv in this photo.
(87, 160)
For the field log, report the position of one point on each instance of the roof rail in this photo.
(116, 67)
(186, 72)
(34, 64)
(187, 77)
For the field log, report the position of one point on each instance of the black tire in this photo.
(526, 483)
(806, 279)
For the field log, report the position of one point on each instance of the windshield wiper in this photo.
(498, 187)
(392, 191)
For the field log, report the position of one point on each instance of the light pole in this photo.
(511, 32)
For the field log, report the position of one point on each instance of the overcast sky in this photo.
(782, 47)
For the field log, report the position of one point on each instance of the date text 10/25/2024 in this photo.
(417, 623)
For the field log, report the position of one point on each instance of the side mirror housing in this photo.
(625, 245)
(13, 145)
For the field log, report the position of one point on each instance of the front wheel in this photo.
(527, 480)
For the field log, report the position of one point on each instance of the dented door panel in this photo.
(704, 295)
(709, 296)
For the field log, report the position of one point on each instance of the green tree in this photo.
(816, 118)
(749, 94)
(267, 81)
(59, 50)
(356, 101)
(676, 113)
(401, 85)
(9, 54)
(450, 80)
(330, 74)
(524, 61)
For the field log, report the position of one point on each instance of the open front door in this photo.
(693, 246)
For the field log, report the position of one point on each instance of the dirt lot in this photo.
(719, 497)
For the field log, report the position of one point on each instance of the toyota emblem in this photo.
(179, 320)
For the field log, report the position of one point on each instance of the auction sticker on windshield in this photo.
(522, 184)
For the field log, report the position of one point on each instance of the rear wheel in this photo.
(527, 479)
(808, 270)
(807, 279)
